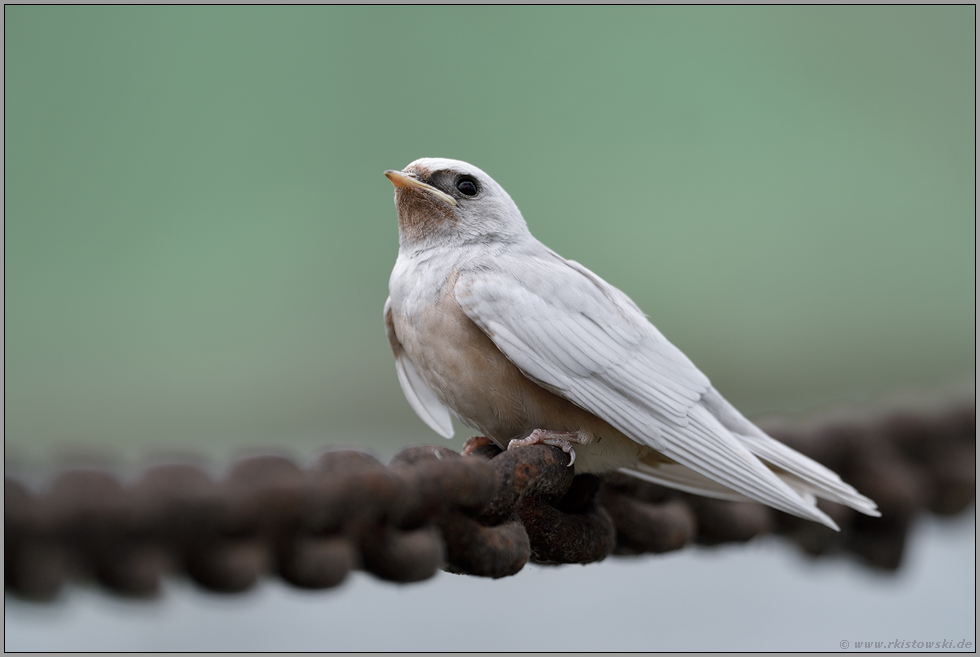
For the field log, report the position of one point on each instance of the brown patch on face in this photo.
(418, 171)
(420, 214)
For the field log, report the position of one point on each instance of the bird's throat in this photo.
(421, 215)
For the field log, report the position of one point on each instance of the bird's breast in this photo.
(460, 364)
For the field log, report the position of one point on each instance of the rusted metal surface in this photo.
(485, 514)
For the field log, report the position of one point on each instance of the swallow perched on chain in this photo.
(489, 324)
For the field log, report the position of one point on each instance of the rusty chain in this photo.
(484, 514)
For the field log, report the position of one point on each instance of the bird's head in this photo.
(446, 202)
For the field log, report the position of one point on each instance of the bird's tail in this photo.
(794, 482)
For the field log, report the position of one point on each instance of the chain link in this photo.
(485, 514)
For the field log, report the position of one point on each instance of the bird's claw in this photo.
(543, 437)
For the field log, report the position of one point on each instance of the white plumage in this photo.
(574, 335)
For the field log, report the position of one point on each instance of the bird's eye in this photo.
(467, 186)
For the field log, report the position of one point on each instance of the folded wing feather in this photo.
(569, 330)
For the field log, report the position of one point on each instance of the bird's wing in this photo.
(422, 400)
(569, 330)
(802, 473)
(583, 339)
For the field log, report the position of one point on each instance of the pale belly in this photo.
(469, 374)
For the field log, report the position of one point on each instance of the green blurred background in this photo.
(198, 235)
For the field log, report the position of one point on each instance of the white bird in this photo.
(527, 347)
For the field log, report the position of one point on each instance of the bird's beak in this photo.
(406, 181)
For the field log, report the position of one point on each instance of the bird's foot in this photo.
(474, 443)
(561, 439)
